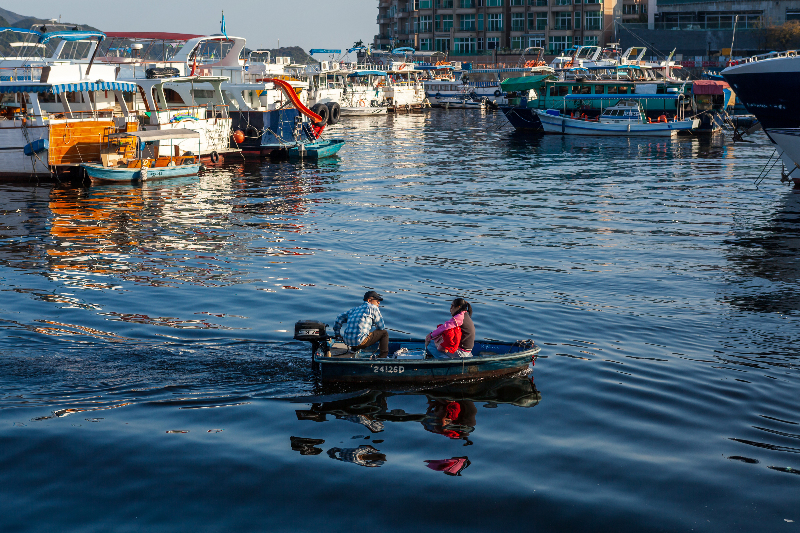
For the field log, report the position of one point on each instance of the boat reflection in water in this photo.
(451, 412)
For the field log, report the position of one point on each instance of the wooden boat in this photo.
(408, 362)
(315, 150)
(146, 165)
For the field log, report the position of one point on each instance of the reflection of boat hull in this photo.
(460, 103)
(561, 124)
(501, 359)
(100, 174)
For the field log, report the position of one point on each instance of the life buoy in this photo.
(662, 118)
(214, 157)
(362, 103)
(402, 66)
(498, 92)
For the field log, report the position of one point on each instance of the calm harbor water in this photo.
(150, 382)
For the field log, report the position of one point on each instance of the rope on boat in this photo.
(764, 171)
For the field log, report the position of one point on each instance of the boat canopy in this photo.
(524, 83)
(151, 35)
(709, 87)
(160, 135)
(623, 97)
(323, 51)
(72, 36)
(59, 88)
(20, 30)
(366, 73)
(403, 49)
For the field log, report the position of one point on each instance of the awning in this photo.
(709, 87)
(524, 83)
(59, 88)
(623, 96)
(151, 35)
(72, 36)
(160, 135)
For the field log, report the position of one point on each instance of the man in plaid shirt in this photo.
(358, 333)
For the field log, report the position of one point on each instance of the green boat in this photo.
(315, 150)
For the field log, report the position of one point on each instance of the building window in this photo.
(517, 2)
(562, 2)
(594, 20)
(559, 43)
(591, 40)
(445, 4)
(539, 3)
(630, 9)
(516, 43)
(424, 44)
(495, 22)
(578, 40)
(536, 40)
(465, 45)
(480, 21)
(592, 1)
(425, 4)
(541, 21)
(790, 15)
(467, 3)
(442, 44)
(577, 20)
(447, 22)
(467, 23)
(563, 20)
(517, 21)
(425, 24)
(492, 43)
(494, 3)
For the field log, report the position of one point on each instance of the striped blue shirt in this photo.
(359, 323)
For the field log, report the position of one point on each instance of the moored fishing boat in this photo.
(624, 118)
(408, 361)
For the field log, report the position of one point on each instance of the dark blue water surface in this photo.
(150, 381)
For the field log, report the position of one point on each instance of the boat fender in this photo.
(238, 136)
(214, 157)
(334, 112)
(498, 92)
(662, 118)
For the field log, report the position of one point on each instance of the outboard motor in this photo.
(314, 332)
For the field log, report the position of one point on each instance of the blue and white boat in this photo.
(315, 150)
(624, 118)
(147, 164)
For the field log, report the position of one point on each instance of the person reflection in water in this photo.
(363, 456)
(451, 467)
(453, 419)
(456, 337)
(360, 321)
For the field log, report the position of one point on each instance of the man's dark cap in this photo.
(372, 295)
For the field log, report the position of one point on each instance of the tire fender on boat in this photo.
(214, 157)
(498, 92)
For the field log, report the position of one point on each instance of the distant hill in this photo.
(297, 54)
(9, 17)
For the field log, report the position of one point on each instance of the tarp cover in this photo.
(59, 88)
(709, 87)
(524, 83)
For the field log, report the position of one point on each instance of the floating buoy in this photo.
(238, 136)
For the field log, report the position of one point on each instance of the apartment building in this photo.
(475, 27)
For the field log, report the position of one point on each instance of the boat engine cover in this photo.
(310, 330)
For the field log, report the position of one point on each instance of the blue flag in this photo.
(222, 29)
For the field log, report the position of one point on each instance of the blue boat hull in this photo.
(501, 359)
(99, 173)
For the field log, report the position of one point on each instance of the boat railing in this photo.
(21, 73)
(762, 57)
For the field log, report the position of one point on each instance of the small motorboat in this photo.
(133, 156)
(625, 118)
(408, 361)
(315, 150)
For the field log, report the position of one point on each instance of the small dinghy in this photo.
(315, 150)
(408, 362)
